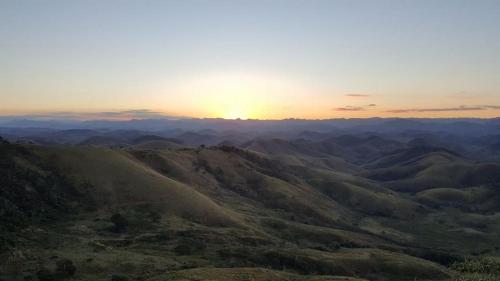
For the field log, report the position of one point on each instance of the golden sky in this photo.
(250, 59)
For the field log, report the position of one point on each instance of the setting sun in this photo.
(235, 113)
(233, 96)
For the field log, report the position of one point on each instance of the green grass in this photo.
(118, 179)
(213, 213)
(477, 269)
(246, 274)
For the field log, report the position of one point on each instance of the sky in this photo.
(260, 59)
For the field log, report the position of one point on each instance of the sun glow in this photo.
(235, 113)
(233, 96)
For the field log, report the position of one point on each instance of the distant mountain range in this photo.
(368, 124)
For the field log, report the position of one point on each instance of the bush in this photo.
(65, 268)
(475, 277)
(120, 223)
(118, 278)
(155, 217)
(13, 268)
(303, 264)
(482, 265)
(478, 269)
(243, 253)
(3, 141)
(46, 275)
(189, 246)
(442, 258)
(183, 250)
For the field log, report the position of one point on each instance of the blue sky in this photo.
(252, 59)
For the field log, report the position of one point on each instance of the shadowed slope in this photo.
(120, 180)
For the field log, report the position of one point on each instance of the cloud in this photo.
(349, 108)
(132, 113)
(372, 104)
(445, 109)
(106, 115)
(357, 95)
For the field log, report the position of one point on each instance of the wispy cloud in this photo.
(357, 95)
(349, 108)
(132, 113)
(112, 115)
(445, 109)
(372, 105)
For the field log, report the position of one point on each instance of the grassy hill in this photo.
(272, 210)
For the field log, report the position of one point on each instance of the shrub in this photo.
(13, 268)
(3, 141)
(46, 275)
(120, 223)
(478, 269)
(183, 250)
(241, 252)
(155, 217)
(303, 264)
(118, 278)
(440, 257)
(482, 265)
(189, 246)
(65, 268)
(475, 277)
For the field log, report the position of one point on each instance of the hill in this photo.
(271, 209)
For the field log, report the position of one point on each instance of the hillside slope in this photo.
(202, 213)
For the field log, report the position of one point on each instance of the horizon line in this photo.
(173, 118)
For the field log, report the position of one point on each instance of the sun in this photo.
(235, 113)
(236, 95)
